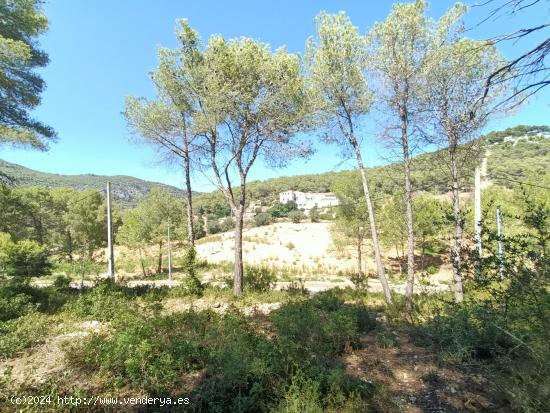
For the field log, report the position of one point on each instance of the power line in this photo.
(75, 201)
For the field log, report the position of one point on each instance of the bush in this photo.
(360, 281)
(327, 216)
(16, 306)
(259, 279)
(18, 299)
(263, 218)
(153, 354)
(227, 224)
(316, 330)
(256, 279)
(221, 225)
(24, 258)
(282, 210)
(62, 282)
(149, 354)
(241, 369)
(198, 229)
(314, 215)
(214, 227)
(431, 270)
(21, 333)
(296, 216)
(192, 283)
(104, 302)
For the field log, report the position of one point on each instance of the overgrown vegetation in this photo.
(220, 107)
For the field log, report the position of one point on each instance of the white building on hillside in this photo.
(308, 200)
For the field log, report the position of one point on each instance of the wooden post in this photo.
(111, 259)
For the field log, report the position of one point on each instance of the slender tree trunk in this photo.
(142, 263)
(409, 210)
(70, 245)
(189, 195)
(372, 220)
(239, 270)
(399, 261)
(359, 259)
(159, 266)
(457, 239)
(37, 224)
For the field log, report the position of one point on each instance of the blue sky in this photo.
(102, 51)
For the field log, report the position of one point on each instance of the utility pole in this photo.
(111, 264)
(169, 253)
(477, 217)
(499, 237)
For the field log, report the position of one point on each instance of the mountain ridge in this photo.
(126, 190)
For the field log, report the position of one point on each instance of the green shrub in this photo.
(314, 215)
(24, 258)
(360, 281)
(214, 227)
(327, 216)
(259, 279)
(148, 354)
(431, 270)
(317, 329)
(263, 218)
(104, 302)
(296, 216)
(302, 395)
(242, 370)
(21, 333)
(227, 224)
(62, 282)
(16, 306)
(331, 391)
(256, 279)
(280, 210)
(18, 298)
(192, 283)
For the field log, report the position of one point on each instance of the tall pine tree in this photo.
(21, 22)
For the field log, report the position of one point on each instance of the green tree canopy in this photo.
(21, 23)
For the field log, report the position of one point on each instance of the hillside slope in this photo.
(127, 190)
(513, 155)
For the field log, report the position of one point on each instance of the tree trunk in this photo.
(70, 246)
(239, 270)
(40, 231)
(409, 211)
(399, 261)
(189, 195)
(142, 263)
(359, 259)
(457, 239)
(372, 221)
(159, 266)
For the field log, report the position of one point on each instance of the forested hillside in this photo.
(127, 190)
(514, 154)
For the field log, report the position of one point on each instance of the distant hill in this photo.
(126, 190)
